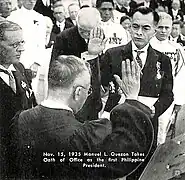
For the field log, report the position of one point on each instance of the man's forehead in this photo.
(59, 9)
(143, 19)
(106, 4)
(165, 22)
(12, 35)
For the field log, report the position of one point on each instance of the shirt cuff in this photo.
(105, 115)
(122, 99)
(86, 56)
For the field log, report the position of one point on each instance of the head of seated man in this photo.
(69, 82)
(11, 43)
(85, 22)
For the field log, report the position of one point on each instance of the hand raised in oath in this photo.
(130, 83)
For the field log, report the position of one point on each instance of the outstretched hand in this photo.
(96, 41)
(130, 83)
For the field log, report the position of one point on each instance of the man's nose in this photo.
(140, 32)
(21, 48)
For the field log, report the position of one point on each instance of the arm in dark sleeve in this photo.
(94, 100)
(59, 46)
(132, 131)
(106, 68)
(166, 94)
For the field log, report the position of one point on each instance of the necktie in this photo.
(138, 59)
(12, 82)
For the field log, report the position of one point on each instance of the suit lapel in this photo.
(127, 52)
(151, 61)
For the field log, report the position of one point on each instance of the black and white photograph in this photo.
(92, 89)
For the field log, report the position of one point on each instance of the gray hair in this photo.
(7, 26)
(64, 70)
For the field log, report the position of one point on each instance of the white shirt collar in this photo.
(61, 25)
(173, 39)
(110, 21)
(55, 105)
(182, 37)
(10, 68)
(143, 55)
(143, 49)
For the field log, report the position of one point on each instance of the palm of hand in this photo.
(96, 46)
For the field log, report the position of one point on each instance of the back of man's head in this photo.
(64, 70)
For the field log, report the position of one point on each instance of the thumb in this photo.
(118, 80)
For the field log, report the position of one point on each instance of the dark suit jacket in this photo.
(180, 13)
(150, 86)
(180, 41)
(56, 30)
(124, 10)
(69, 42)
(10, 104)
(69, 20)
(129, 130)
(44, 10)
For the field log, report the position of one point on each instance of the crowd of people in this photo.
(106, 77)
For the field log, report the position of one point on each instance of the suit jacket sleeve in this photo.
(132, 131)
(59, 46)
(166, 94)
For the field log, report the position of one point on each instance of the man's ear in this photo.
(77, 92)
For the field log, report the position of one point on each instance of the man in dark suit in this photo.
(60, 23)
(73, 11)
(123, 6)
(176, 33)
(156, 71)
(73, 41)
(175, 11)
(127, 133)
(15, 86)
(45, 8)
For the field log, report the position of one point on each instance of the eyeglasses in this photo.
(89, 90)
(17, 44)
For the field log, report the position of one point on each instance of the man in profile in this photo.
(51, 127)
(15, 86)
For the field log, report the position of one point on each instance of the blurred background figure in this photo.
(60, 23)
(176, 54)
(176, 31)
(19, 3)
(175, 11)
(160, 8)
(5, 8)
(125, 21)
(73, 11)
(182, 35)
(123, 6)
(114, 32)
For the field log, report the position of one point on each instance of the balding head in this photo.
(85, 22)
